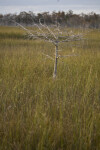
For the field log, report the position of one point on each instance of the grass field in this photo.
(39, 113)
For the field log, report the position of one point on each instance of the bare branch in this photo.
(48, 56)
(50, 31)
(36, 35)
(28, 31)
(68, 55)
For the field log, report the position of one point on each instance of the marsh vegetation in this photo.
(39, 113)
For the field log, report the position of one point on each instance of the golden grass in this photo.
(39, 113)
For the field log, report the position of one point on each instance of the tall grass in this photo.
(39, 113)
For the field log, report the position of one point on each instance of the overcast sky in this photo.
(16, 6)
(49, 2)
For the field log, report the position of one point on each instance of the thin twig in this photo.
(48, 56)
(68, 55)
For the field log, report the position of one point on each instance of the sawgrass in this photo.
(39, 113)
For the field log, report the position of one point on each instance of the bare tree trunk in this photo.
(56, 61)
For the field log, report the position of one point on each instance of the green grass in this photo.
(39, 113)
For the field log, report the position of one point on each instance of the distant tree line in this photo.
(69, 19)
